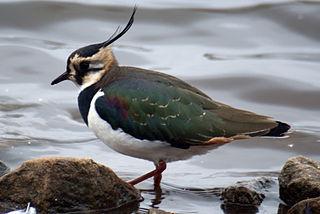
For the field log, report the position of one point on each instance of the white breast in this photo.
(128, 145)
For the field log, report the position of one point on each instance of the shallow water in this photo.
(261, 56)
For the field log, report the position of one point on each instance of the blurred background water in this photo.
(259, 55)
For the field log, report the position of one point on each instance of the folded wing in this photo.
(154, 107)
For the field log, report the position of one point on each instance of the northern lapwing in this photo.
(154, 116)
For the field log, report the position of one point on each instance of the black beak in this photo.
(60, 78)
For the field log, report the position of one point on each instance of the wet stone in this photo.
(59, 185)
(4, 169)
(307, 206)
(283, 209)
(239, 209)
(299, 179)
(246, 193)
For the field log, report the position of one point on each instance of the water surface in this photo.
(262, 56)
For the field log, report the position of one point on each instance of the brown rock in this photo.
(247, 193)
(236, 209)
(299, 179)
(283, 209)
(307, 206)
(3, 169)
(242, 195)
(65, 185)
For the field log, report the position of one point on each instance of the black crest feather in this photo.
(117, 35)
(90, 50)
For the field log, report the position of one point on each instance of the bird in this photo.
(154, 116)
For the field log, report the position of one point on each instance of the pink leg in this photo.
(155, 173)
(157, 177)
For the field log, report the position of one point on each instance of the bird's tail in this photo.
(279, 130)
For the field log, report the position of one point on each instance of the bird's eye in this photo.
(84, 65)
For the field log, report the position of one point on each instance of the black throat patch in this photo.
(84, 101)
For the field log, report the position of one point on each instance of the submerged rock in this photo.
(65, 185)
(299, 179)
(246, 193)
(307, 206)
(3, 169)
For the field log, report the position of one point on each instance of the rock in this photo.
(236, 209)
(3, 169)
(246, 193)
(311, 206)
(242, 195)
(283, 209)
(299, 179)
(65, 185)
(157, 211)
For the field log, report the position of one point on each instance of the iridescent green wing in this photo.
(159, 107)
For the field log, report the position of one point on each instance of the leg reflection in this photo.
(158, 196)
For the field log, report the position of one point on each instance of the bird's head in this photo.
(89, 64)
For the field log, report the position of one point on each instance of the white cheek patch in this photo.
(96, 66)
(90, 79)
